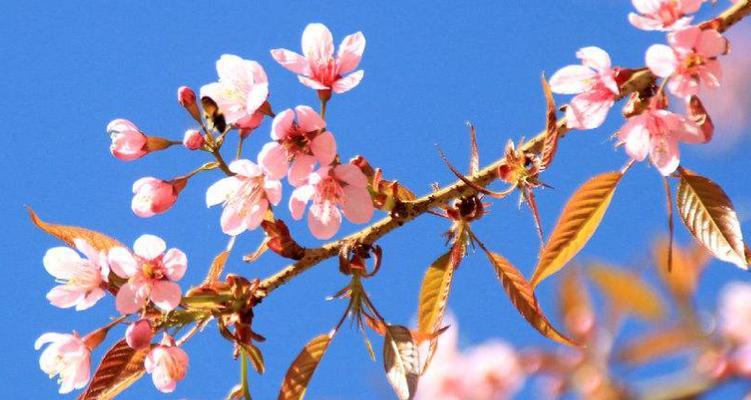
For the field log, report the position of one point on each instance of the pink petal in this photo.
(572, 79)
(594, 57)
(644, 23)
(358, 206)
(665, 155)
(88, 250)
(165, 295)
(245, 168)
(300, 169)
(149, 247)
(273, 189)
(282, 124)
(308, 119)
(685, 40)
(131, 297)
(317, 43)
(259, 91)
(588, 110)
(231, 220)
(683, 85)
(176, 262)
(65, 296)
(350, 52)
(61, 262)
(299, 200)
(690, 6)
(324, 220)
(249, 122)
(122, 262)
(291, 60)
(711, 74)
(646, 6)
(323, 147)
(351, 175)
(311, 83)
(256, 214)
(711, 44)
(273, 159)
(49, 337)
(91, 298)
(222, 190)
(348, 82)
(635, 136)
(661, 60)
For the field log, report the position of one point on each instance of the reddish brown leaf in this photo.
(120, 368)
(68, 233)
(574, 303)
(550, 145)
(254, 355)
(301, 371)
(661, 343)
(627, 292)
(434, 293)
(401, 361)
(709, 215)
(688, 264)
(217, 267)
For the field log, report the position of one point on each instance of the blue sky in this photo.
(70, 68)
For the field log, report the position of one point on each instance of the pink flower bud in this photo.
(153, 196)
(139, 334)
(186, 96)
(128, 142)
(167, 364)
(193, 139)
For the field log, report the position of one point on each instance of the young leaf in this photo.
(708, 214)
(578, 221)
(217, 266)
(661, 343)
(550, 145)
(523, 298)
(68, 234)
(254, 355)
(299, 373)
(688, 264)
(401, 361)
(434, 293)
(120, 368)
(574, 303)
(627, 292)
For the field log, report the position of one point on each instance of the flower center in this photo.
(153, 269)
(247, 196)
(326, 72)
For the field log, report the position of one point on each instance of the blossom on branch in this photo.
(663, 15)
(68, 357)
(83, 280)
(167, 364)
(151, 273)
(317, 68)
(128, 142)
(593, 82)
(152, 196)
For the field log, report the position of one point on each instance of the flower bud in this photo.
(139, 334)
(193, 139)
(153, 196)
(187, 98)
(128, 142)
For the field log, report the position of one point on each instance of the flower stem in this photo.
(244, 375)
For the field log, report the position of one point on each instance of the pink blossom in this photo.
(734, 311)
(317, 68)
(330, 188)
(242, 88)
(152, 196)
(83, 280)
(492, 371)
(690, 62)
(303, 142)
(167, 364)
(663, 15)
(245, 196)
(593, 82)
(186, 96)
(66, 356)
(193, 140)
(139, 334)
(151, 274)
(443, 379)
(657, 133)
(128, 142)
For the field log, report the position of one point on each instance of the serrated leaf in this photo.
(401, 361)
(434, 293)
(523, 298)
(217, 267)
(627, 291)
(301, 371)
(661, 343)
(550, 144)
(68, 233)
(578, 222)
(120, 368)
(708, 214)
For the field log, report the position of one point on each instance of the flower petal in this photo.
(299, 200)
(61, 262)
(588, 110)
(165, 295)
(291, 60)
(323, 147)
(282, 124)
(131, 297)
(594, 57)
(351, 175)
(661, 60)
(358, 206)
(324, 220)
(350, 52)
(122, 262)
(300, 169)
(273, 189)
(273, 159)
(665, 154)
(149, 247)
(311, 83)
(348, 82)
(635, 136)
(91, 298)
(572, 79)
(231, 220)
(245, 168)
(175, 262)
(221, 190)
(317, 43)
(308, 119)
(65, 296)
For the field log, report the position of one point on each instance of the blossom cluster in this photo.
(686, 65)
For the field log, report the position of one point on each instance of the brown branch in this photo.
(639, 81)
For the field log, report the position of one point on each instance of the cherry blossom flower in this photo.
(657, 132)
(83, 280)
(492, 371)
(245, 197)
(690, 62)
(330, 188)
(139, 334)
(303, 142)
(193, 140)
(242, 89)
(734, 311)
(593, 82)
(663, 15)
(167, 364)
(151, 274)
(152, 196)
(317, 68)
(68, 357)
(128, 142)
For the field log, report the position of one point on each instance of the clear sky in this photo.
(68, 68)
